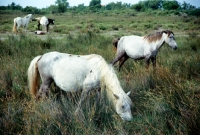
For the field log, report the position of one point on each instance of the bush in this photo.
(101, 27)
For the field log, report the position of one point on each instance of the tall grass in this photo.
(165, 100)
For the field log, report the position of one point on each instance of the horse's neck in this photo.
(26, 19)
(160, 42)
(112, 84)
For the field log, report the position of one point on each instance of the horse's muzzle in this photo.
(175, 48)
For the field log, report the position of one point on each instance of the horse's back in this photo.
(70, 71)
(17, 19)
(44, 20)
(133, 46)
(131, 39)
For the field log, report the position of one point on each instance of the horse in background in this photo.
(137, 47)
(73, 73)
(44, 21)
(23, 22)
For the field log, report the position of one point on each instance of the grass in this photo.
(165, 100)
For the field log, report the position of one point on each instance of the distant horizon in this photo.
(44, 3)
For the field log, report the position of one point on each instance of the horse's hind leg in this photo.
(122, 60)
(18, 28)
(38, 26)
(117, 58)
(43, 91)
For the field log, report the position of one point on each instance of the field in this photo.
(166, 100)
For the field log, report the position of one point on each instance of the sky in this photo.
(47, 3)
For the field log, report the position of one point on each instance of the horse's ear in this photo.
(165, 31)
(116, 96)
(128, 93)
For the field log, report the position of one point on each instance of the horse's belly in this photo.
(135, 51)
(135, 55)
(69, 84)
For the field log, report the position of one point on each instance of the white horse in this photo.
(19, 21)
(78, 72)
(137, 47)
(44, 22)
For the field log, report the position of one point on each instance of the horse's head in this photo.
(52, 21)
(123, 107)
(170, 39)
(29, 17)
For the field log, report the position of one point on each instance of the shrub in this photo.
(102, 27)
(115, 27)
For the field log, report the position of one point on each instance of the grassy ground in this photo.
(165, 100)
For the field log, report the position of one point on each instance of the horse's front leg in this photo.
(84, 94)
(98, 95)
(26, 28)
(47, 27)
(147, 62)
(153, 60)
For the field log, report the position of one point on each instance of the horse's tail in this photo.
(15, 26)
(33, 76)
(114, 43)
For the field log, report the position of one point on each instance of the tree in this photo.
(154, 4)
(138, 7)
(110, 6)
(53, 8)
(95, 5)
(171, 5)
(81, 7)
(187, 6)
(62, 5)
(12, 6)
(30, 9)
(117, 5)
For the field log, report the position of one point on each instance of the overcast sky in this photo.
(46, 3)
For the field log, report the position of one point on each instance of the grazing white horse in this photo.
(137, 47)
(78, 72)
(50, 21)
(44, 22)
(19, 21)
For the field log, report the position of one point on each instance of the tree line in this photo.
(62, 6)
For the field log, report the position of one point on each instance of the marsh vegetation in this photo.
(165, 100)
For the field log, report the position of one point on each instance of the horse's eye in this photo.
(123, 106)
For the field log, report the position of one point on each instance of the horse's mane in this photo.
(51, 19)
(28, 15)
(112, 83)
(156, 36)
